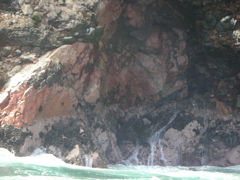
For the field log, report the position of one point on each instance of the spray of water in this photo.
(155, 141)
(88, 160)
(133, 159)
(39, 151)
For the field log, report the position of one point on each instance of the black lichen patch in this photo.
(12, 138)
(40, 109)
(223, 131)
(47, 77)
(66, 136)
(183, 120)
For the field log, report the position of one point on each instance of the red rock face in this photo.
(23, 102)
(143, 59)
(109, 11)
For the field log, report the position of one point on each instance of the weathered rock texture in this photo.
(137, 82)
(144, 54)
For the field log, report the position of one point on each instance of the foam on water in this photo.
(4, 153)
(37, 158)
(47, 167)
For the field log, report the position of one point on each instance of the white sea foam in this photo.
(4, 153)
(39, 157)
(38, 166)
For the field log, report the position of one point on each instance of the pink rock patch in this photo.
(21, 104)
(153, 40)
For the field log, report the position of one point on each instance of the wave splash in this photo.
(47, 167)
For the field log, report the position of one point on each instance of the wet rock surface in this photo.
(192, 138)
(133, 82)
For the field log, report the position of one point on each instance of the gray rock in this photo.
(234, 156)
(37, 50)
(18, 52)
(227, 23)
(69, 2)
(6, 51)
(20, 2)
(76, 34)
(61, 2)
(65, 16)
(74, 153)
(236, 36)
(27, 9)
(52, 15)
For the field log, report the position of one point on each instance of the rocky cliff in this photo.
(151, 82)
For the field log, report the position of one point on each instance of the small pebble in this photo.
(6, 51)
(18, 52)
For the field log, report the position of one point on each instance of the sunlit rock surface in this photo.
(49, 88)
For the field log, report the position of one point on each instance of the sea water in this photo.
(47, 167)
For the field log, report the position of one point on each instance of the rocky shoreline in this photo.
(145, 82)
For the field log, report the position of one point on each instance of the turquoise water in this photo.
(46, 166)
